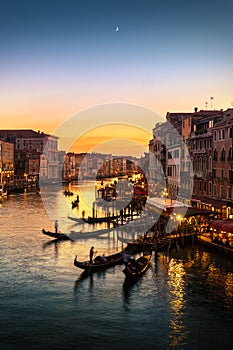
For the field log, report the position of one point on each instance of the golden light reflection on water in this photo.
(205, 259)
(215, 278)
(218, 281)
(229, 290)
(176, 283)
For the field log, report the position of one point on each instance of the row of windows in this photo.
(202, 164)
(173, 170)
(174, 154)
(200, 144)
(222, 174)
(223, 155)
(220, 135)
(217, 192)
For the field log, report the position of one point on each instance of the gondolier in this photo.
(92, 254)
(56, 226)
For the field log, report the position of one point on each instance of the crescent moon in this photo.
(117, 28)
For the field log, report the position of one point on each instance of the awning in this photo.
(217, 203)
(228, 227)
(216, 224)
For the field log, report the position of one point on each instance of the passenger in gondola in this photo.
(103, 258)
(97, 259)
(126, 258)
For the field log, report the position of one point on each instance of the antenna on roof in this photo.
(211, 101)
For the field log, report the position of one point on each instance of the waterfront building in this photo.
(157, 157)
(201, 158)
(95, 164)
(86, 165)
(201, 152)
(166, 157)
(6, 164)
(222, 167)
(92, 165)
(35, 154)
(143, 164)
(69, 166)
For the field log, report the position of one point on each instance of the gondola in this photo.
(77, 220)
(75, 203)
(136, 268)
(68, 193)
(91, 220)
(73, 235)
(60, 236)
(100, 263)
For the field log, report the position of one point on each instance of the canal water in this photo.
(184, 301)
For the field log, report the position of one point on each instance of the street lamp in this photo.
(26, 177)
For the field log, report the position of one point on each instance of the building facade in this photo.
(35, 154)
(204, 156)
(6, 163)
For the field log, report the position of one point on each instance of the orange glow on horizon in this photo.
(115, 139)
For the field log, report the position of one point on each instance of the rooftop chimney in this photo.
(195, 109)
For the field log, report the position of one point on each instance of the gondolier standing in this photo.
(92, 254)
(56, 226)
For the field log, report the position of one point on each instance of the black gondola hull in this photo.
(111, 261)
(60, 236)
(137, 268)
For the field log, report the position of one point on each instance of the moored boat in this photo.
(73, 235)
(91, 220)
(77, 220)
(57, 235)
(99, 263)
(136, 268)
(68, 193)
(75, 203)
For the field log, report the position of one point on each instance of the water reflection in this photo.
(84, 275)
(129, 287)
(192, 290)
(228, 300)
(177, 301)
(56, 244)
(51, 243)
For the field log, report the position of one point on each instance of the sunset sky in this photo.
(61, 57)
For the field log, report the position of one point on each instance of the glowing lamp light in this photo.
(179, 217)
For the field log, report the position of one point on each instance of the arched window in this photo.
(230, 158)
(210, 163)
(215, 156)
(204, 164)
(223, 154)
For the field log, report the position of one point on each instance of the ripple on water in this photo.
(184, 301)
